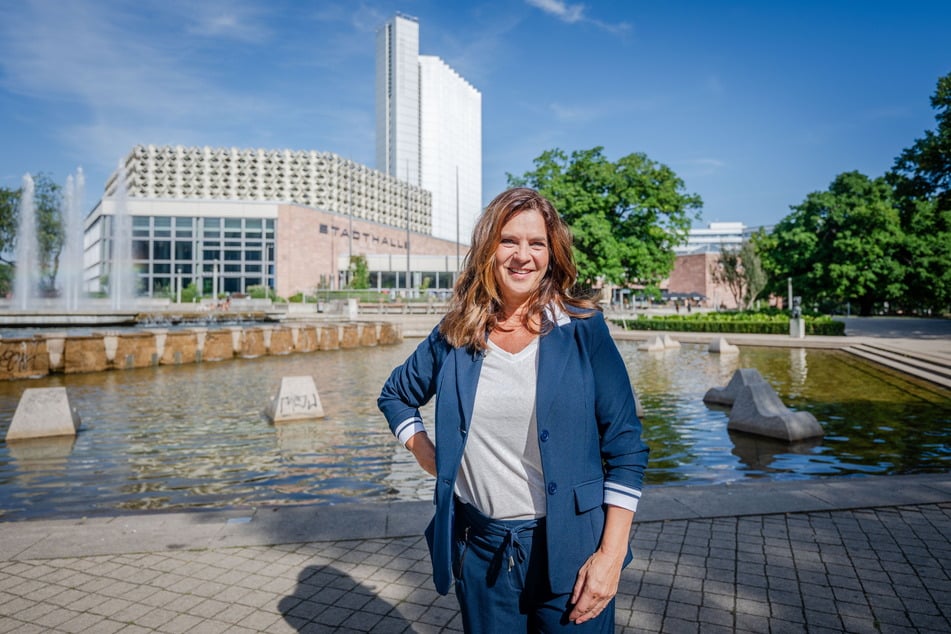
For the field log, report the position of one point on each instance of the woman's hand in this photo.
(424, 451)
(598, 579)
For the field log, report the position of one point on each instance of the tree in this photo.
(626, 217)
(359, 272)
(50, 232)
(842, 244)
(753, 269)
(741, 272)
(922, 180)
(728, 271)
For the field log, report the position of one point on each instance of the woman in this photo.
(538, 457)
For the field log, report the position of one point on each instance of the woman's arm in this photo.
(424, 451)
(598, 579)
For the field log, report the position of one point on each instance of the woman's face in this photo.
(521, 258)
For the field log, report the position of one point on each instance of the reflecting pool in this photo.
(194, 436)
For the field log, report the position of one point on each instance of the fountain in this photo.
(27, 250)
(194, 435)
(71, 262)
(121, 275)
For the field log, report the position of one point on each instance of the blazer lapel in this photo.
(554, 351)
(468, 367)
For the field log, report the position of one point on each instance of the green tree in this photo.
(741, 271)
(359, 272)
(50, 232)
(753, 271)
(50, 229)
(626, 216)
(9, 200)
(841, 244)
(922, 180)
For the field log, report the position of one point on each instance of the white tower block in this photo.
(297, 399)
(43, 412)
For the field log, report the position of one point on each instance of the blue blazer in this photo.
(588, 433)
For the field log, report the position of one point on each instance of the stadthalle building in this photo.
(228, 219)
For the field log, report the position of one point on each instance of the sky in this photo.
(752, 104)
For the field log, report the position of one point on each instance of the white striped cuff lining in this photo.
(619, 495)
(408, 428)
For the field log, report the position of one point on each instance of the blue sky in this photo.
(753, 104)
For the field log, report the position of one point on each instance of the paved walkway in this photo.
(857, 555)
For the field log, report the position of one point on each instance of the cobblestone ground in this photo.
(876, 570)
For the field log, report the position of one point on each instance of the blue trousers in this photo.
(501, 571)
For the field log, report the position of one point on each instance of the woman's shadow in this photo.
(326, 599)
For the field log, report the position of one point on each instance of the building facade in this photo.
(229, 219)
(429, 128)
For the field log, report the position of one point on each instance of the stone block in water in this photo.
(721, 346)
(390, 334)
(669, 342)
(759, 410)
(43, 412)
(654, 344)
(297, 399)
(726, 395)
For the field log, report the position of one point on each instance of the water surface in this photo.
(194, 436)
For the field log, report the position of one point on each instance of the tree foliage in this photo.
(842, 244)
(741, 272)
(359, 272)
(50, 231)
(922, 180)
(626, 216)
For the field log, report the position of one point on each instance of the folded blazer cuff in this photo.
(619, 495)
(409, 428)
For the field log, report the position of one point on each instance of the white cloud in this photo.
(569, 13)
(575, 13)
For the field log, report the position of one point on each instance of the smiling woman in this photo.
(539, 460)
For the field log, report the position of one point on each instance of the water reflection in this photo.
(195, 436)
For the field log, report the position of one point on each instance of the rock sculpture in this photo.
(757, 409)
(726, 395)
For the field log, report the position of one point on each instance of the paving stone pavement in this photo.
(817, 558)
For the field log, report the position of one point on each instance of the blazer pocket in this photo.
(589, 495)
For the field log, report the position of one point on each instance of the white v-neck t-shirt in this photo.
(501, 469)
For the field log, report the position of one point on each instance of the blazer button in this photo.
(552, 488)
(545, 435)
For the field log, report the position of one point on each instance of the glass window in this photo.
(165, 268)
(212, 223)
(232, 268)
(252, 256)
(232, 256)
(253, 281)
(140, 249)
(252, 223)
(233, 223)
(252, 268)
(161, 250)
(163, 226)
(183, 250)
(211, 254)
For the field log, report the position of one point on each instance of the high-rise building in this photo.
(429, 128)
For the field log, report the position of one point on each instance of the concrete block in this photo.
(297, 399)
(654, 344)
(759, 410)
(669, 342)
(726, 395)
(721, 346)
(42, 412)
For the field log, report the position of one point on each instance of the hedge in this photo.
(733, 323)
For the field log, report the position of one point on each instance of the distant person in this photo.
(538, 458)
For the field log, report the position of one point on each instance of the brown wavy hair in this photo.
(476, 305)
